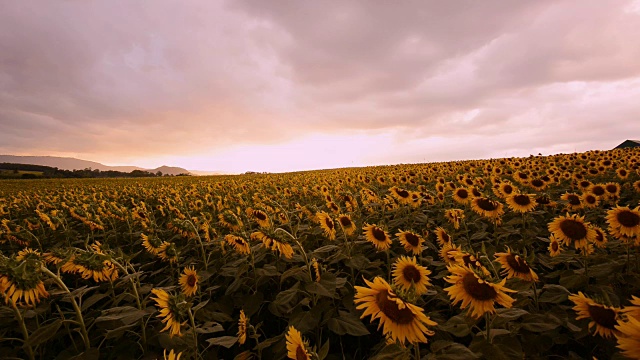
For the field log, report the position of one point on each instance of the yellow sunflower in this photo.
(442, 237)
(633, 310)
(21, 283)
(521, 203)
(407, 274)
(624, 221)
(327, 224)
(172, 311)
(612, 190)
(515, 266)
(454, 216)
(239, 244)
(555, 248)
(600, 239)
(172, 355)
(400, 320)
(272, 244)
(463, 258)
(448, 252)
(411, 241)
(572, 228)
(573, 201)
(377, 236)
(603, 317)
(242, 328)
(296, 347)
(347, 225)
(151, 243)
(462, 195)
(629, 337)
(474, 292)
(261, 218)
(488, 208)
(189, 281)
(401, 195)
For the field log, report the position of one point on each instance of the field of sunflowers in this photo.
(534, 258)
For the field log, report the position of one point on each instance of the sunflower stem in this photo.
(204, 254)
(134, 287)
(416, 348)
(23, 328)
(488, 326)
(535, 295)
(195, 334)
(83, 328)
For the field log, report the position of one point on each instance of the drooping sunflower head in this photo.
(240, 245)
(400, 320)
(261, 218)
(603, 318)
(448, 252)
(454, 216)
(442, 237)
(297, 349)
(327, 224)
(189, 281)
(173, 310)
(408, 275)
(377, 236)
(411, 241)
(624, 221)
(513, 265)
(21, 281)
(628, 336)
(242, 327)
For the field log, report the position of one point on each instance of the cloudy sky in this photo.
(292, 85)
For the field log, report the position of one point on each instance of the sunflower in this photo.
(442, 237)
(242, 328)
(273, 244)
(506, 189)
(347, 225)
(555, 248)
(261, 218)
(633, 310)
(377, 236)
(463, 258)
(240, 245)
(411, 241)
(407, 274)
(515, 266)
(151, 243)
(400, 320)
(454, 216)
(589, 200)
(573, 201)
(624, 221)
(488, 208)
(91, 265)
(168, 252)
(21, 282)
(172, 355)
(189, 281)
(474, 292)
(601, 237)
(603, 317)
(401, 195)
(448, 252)
(629, 337)
(597, 190)
(462, 195)
(172, 311)
(28, 253)
(636, 186)
(521, 202)
(296, 347)
(572, 228)
(612, 190)
(316, 268)
(327, 225)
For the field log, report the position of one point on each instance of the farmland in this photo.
(506, 258)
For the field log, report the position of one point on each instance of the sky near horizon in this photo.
(239, 86)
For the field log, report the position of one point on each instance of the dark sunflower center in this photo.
(599, 236)
(603, 316)
(402, 193)
(239, 241)
(260, 215)
(537, 183)
(411, 273)
(329, 223)
(590, 199)
(598, 190)
(543, 200)
(612, 189)
(300, 353)
(554, 246)
(486, 204)
(192, 280)
(378, 234)
(390, 309)
(412, 239)
(445, 236)
(628, 218)
(345, 221)
(476, 192)
(475, 289)
(462, 193)
(522, 200)
(573, 229)
(573, 199)
(518, 264)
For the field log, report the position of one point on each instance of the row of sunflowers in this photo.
(505, 258)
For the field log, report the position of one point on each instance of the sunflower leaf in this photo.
(226, 341)
(347, 323)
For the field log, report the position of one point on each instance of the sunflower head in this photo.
(22, 281)
(411, 277)
(297, 348)
(513, 265)
(411, 241)
(189, 281)
(377, 236)
(624, 222)
(173, 310)
(603, 318)
(572, 229)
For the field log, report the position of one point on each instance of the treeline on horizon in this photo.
(13, 171)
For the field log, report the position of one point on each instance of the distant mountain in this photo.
(67, 163)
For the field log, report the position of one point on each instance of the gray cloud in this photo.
(131, 80)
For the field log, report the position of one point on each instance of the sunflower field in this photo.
(532, 258)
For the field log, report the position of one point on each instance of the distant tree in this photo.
(159, 173)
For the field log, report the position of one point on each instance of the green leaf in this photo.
(226, 341)
(347, 323)
(540, 322)
(510, 314)
(574, 282)
(318, 289)
(449, 350)
(554, 294)
(457, 326)
(44, 333)
(118, 316)
(324, 351)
